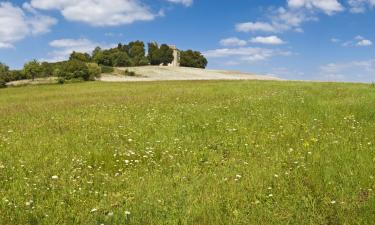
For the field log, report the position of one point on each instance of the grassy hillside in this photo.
(242, 152)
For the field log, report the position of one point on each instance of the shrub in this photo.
(107, 69)
(94, 71)
(130, 73)
(61, 80)
(3, 84)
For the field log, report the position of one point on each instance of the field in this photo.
(193, 152)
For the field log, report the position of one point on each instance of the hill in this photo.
(160, 73)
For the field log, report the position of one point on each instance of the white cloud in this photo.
(64, 47)
(233, 41)
(360, 6)
(248, 54)
(327, 6)
(292, 16)
(349, 71)
(97, 12)
(255, 26)
(270, 40)
(364, 43)
(335, 40)
(358, 41)
(184, 2)
(15, 24)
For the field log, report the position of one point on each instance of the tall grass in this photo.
(245, 152)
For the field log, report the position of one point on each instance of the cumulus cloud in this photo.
(358, 41)
(360, 6)
(233, 41)
(97, 12)
(248, 54)
(184, 2)
(255, 26)
(270, 40)
(291, 16)
(16, 24)
(327, 6)
(64, 47)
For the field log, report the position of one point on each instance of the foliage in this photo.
(3, 84)
(192, 58)
(33, 69)
(107, 69)
(61, 80)
(84, 57)
(94, 70)
(129, 73)
(238, 152)
(158, 56)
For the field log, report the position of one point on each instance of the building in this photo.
(176, 55)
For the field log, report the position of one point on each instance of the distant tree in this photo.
(122, 59)
(153, 54)
(32, 69)
(165, 54)
(137, 53)
(84, 57)
(194, 59)
(47, 69)
(4, 72)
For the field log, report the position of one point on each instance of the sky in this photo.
(327, 40)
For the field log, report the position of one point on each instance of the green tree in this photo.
(153, 54)
(4, 72)
(84, 57)
(194, 59)
(166, 54)
(137, 53)
(32, 69)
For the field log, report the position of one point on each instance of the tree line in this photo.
(86, 67)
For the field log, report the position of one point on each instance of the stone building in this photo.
(176, 55)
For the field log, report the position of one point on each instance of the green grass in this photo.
(244, 152)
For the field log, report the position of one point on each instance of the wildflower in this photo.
(55, 177)
(238, 176)
(333, 202)
(276, 175)
(270, 195)
(93, 210)
(127, 213)
(110, 214)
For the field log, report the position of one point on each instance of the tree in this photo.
(84, 57)
(165, 54)
(32, 69)
(4, 72)
(137, 53)
(194, 59)
(122, 59)
(153, 57)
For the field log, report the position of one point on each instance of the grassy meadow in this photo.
(235, 152)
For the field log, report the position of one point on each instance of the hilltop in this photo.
(160, 73)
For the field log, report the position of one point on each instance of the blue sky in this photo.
(293, 39)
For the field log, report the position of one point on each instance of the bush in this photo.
(61, 80)
(94, 70)
(3, 84)
(130, 73)
(107, 69)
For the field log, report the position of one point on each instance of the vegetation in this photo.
(193, 59)
(86, 67)
(246, 152)
(160, 56)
